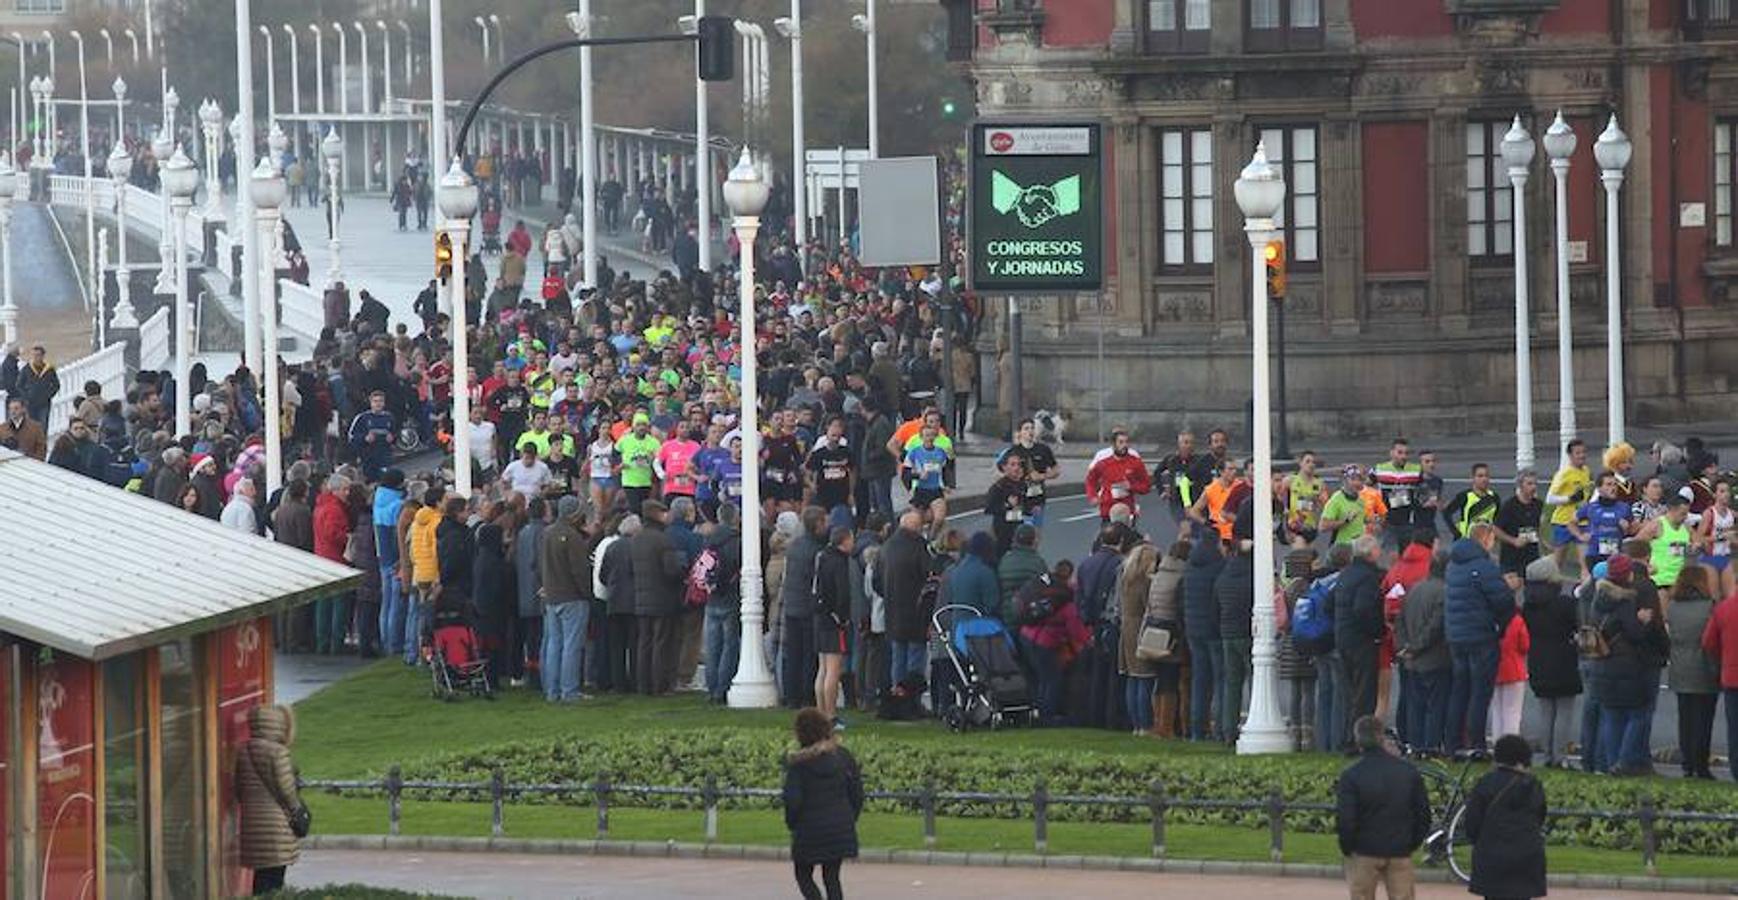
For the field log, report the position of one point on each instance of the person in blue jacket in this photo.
(972, 581)
(388, 502)
(1480, 603)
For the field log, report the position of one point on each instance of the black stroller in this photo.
(989, 687)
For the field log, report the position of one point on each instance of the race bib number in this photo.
(833, 474)
(1035, 490)
(1306, 506)
(1401, 497)
(1607, 546)
(1119, 490)
(1679, 550)
(1529, 535)
(775, 476)
(1722, 548)
(733, 489)
(931, 468)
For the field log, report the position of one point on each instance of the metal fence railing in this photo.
(1158, 805)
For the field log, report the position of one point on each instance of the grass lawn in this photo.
(384, 715)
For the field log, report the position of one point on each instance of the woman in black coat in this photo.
(1553, 662)
(1505, 818)
(823, 796)
(454, 553)
(489, 593)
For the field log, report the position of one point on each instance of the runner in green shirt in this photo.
(637, 449)
(1304, 493)
(1343, 514)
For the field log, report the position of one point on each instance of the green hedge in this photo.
(753, 758)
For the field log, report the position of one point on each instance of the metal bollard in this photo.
(602, 789)
(1276, 823)
(709, 794)
(497, 801)
(394, 799)
(1648, 816)
(1041, 817)
(1156, 802)
(926, 801)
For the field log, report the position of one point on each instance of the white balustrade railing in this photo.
(304, 312)
(106, 367)
(154, 341)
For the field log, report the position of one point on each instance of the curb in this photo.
(1000, 859)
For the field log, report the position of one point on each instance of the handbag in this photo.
(301, 821)
(1156, 643)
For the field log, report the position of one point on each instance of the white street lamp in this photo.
(500, 38)
(343, 69)
(753, 36)
(458, 203)
(211, 122)
(866, 24)
(120, 165)
(386, 61)
(8, 307)
(438, 139)
(1260, 193)
(1518, 151)
(90, 196)
(1612, 151)
(266, 189)
(792, 28)
(319, 68)
(108, 46)
(133, 38)
(580, 23)
(1559, 146)
(747, 195)
(484, 25)
(119, 86)
(271, 75)
(367, 83)
(255, 348)
(332, 148)
(25, 83)
(181, 181)
(409, 54)
(161, 149)
(277, 144)
(295, 71)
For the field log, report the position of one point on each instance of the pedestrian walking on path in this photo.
(823, 796)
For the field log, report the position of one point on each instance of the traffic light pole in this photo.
(1281, 452)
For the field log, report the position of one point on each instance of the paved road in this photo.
(540, 877)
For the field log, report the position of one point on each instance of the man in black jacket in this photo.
(1358, 625)
(1382, 815)
(833, 616)
(797, 602)
(658, 573)
(1004, 504)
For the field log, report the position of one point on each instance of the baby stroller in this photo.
(989, 687)
(456, 660)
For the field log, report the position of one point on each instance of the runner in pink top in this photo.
(673, 465)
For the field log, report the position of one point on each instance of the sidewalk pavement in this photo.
(559, 877)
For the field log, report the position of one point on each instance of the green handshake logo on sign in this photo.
(1037, 204)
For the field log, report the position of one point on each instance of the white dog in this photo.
(1051, 426)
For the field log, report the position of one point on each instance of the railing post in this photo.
(497, 799)
(1156, 802)
(926, 801)
(709, 794)
(394, 799)
(1276, 824)
(1648, 816)
(1041, 817)
(602, 789)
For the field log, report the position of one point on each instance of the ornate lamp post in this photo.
(162, 148)
(211, 123)
(747, 194)
(1612, 151)
(1260, 193)
(458, 202)
(8, 308)
(266, 188)
(332, 148)
(1518, 150)
(181, 180)
(1560, 146)
(120, 165)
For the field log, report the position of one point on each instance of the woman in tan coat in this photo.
(1131, 592)
(1165, 609)
(266, 783)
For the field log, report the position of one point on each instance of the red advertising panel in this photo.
(66, 807)
(243, 653)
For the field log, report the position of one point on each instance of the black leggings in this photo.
(265, 881)
(829, 877)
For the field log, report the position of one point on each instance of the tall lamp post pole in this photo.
(267, 190)
(581, 23)
(702, 149)
(332, 148)
(866, 24)
(1260, 192)
(458, 203)
(1518, 151)
(1560, 146)
(94, 277)
(8, 308)
(162, 148)
(120, 167)
(181, 181)
(295, 71)
(747, 194)
(792, 29)
(1612, 151)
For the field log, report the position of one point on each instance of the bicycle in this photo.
(1447, 841)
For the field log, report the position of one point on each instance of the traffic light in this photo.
(1274, 254)
(716, 57)
(443, 256)
(948, 108)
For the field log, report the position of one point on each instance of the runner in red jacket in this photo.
(1117, 475)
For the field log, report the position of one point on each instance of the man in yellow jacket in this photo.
(425, 572)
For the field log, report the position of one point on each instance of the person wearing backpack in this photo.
(1051, 634)
(1358, 628)
(1021, 564)
(723, 628)
(1312, 635)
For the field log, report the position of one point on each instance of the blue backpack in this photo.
(1312, 620)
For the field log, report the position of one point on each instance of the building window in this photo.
(40, 6)
(1186, 199)
(1725, 139)
(1708, 12)
(1292, 150)
(1490, 230)
(1276, 25)
(1179, 24)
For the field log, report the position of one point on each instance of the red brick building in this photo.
(1386, 117)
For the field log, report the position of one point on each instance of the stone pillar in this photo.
(1337, 32)
(1450, 292)
(1231, 152)
(1132, 161)
(1125, 32)
(1339, 151)
(1227, 40)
